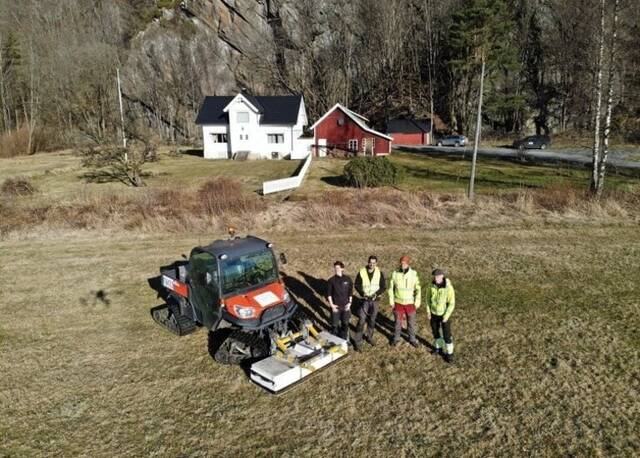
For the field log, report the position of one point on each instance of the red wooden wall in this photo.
(339, 135)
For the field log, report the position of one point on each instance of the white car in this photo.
(453, 140)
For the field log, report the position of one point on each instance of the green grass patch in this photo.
(451, 173)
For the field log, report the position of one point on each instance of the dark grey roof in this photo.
(235, 247)
(277, 109)
(211, 110)
(408, 126)
(254, 101)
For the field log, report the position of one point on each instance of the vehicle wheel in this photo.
(439, 143)
(543, 146)
(238, 347)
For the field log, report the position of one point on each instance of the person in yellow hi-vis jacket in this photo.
(404, 297)
(441, 300)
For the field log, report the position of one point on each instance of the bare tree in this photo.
(598, 97)
(31, 101)
(114, 163)
(610, 77)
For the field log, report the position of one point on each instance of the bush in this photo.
(221, 195)
(371, 172)
(114, 163)
(19, 186)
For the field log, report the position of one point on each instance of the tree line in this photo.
(550, 67)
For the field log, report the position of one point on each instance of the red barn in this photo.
(341, 128)
(409, 131)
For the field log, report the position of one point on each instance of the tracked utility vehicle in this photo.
(233, 288)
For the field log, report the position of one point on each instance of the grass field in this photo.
(547, 323)
(59, 175)
(451, 173)
(546, 335)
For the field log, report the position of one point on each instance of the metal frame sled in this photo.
(297, 357)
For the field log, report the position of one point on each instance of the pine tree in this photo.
(479, 38)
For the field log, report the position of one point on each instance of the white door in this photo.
(242, 131)
(322, 147)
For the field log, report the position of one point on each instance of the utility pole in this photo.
(472, 179)
(124, 136)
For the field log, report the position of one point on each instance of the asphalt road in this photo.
(578, 157)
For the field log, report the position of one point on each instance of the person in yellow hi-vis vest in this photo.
(404, 297)
(441, 300)
(370, 284)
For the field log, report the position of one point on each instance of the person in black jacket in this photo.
(370, 285)
(340, 296)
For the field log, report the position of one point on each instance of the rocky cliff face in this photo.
(216, 47)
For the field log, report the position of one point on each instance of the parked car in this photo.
(533, 142)
(453, 140)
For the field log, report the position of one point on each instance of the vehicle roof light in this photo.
(223, 256)
(269, 245)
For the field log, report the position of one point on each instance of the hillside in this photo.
(59, 61)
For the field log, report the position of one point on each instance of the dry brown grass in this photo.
(16, 142)
(221, 201)
(17, 187)
(224, 195)
(546, 331)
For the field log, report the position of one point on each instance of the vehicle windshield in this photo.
(248, 271)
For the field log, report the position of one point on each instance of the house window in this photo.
(353, 145)
(243, 116)
(219, 138)
(275, 138)
(244, 137)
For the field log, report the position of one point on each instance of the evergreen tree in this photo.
(480, 28)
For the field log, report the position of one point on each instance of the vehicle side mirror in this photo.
(184, 256)
(283, 258)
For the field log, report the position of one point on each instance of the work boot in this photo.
(448, 358)
(394, 343)
(357, 346)
(436, 351)
(370, 340)
(414, 344)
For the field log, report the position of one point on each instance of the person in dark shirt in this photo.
(339, 296)
(370, 285)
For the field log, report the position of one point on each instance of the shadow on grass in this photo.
(337, 180)
(311, 293)
(193, 152)
(96, 297)
(104, 176)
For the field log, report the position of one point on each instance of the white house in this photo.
(269, 127)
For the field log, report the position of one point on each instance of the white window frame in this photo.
(242, 117)
(352, 144)
(275, 138)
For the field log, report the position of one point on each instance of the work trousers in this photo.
(400, 312)
(340, 322)
(367, 314)
(442, 333)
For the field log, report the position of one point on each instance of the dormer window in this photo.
(243, 117)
